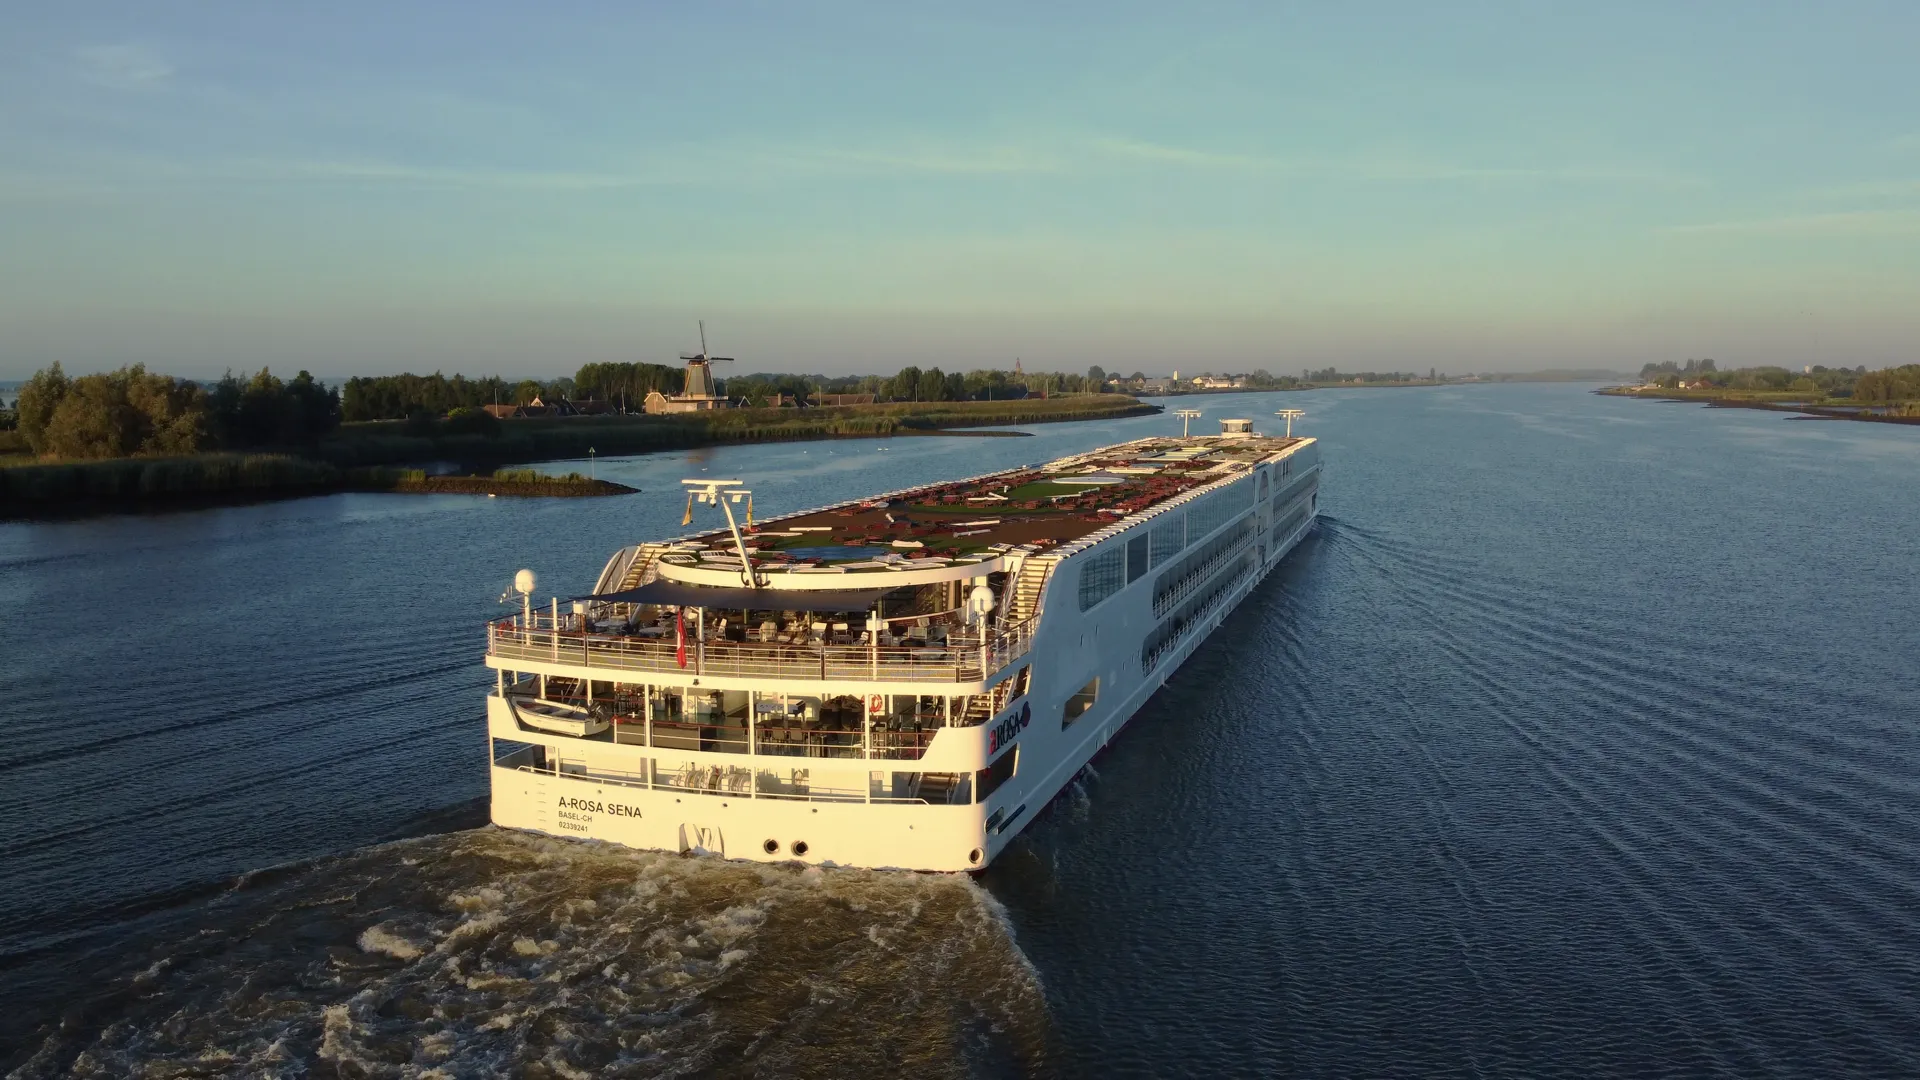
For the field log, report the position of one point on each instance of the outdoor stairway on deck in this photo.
(978, 711)
(637, 570)
(1027, 587)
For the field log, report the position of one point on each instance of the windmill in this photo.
(700, 369)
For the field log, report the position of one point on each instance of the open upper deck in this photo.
(976, 520)
(915, 586)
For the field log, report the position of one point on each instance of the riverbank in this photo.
(1777, 401)
(83, 487)
(364, 457)
(390, 442)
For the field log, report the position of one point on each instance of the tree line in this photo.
(913, 383)
(626, 386)
(136, 412)
(1817, 379)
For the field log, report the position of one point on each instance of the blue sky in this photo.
(359, 188)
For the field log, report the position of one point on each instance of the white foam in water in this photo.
(378, 939)
(494, 953)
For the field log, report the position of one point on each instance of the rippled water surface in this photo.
(1580, 739)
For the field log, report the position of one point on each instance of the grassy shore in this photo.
(134, 483)
(1808, 403)
(549, 438)
(365, 457)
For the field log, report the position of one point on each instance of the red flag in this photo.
(680, 635)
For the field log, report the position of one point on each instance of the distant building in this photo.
(538, 407)
(831, 400)
(658, 403)
(698, 394)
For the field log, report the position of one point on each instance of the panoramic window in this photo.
(1102, 576)
(1136, 558)
(1211, 512)
(1079, 703)
(1166, 537)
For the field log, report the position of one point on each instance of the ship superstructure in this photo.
(898, 681)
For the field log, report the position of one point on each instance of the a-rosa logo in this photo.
(1009, 729)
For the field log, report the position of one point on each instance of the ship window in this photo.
(1020, 681)
(1136, 558)
(1001, 771)
(1079, 703)
(1167, 536)
(1101, 577)
(1210, 513)
(514, 755)
(1289, 523)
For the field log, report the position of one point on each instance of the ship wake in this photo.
(490, 952)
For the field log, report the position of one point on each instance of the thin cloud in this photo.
(130, 175)
(1847, 223)
(391, 173)
(123, 67)
(1388, 170)
(1181, 155)
(960, 159)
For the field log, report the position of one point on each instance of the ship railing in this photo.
(720, 780)
(958, 660)
(1199, 575)
(1178, 632)
(894, 737)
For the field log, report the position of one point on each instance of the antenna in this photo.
(1187, 417)
(1290, 414)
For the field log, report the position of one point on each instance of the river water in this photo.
(1580, 739)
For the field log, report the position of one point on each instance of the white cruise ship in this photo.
(898, 681)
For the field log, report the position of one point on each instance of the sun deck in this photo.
(952, 524)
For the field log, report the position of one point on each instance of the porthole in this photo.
(771, 846)
(975, 856)
(799, 849)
